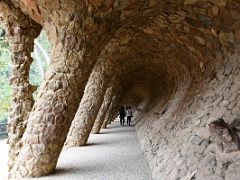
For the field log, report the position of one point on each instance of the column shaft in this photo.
(73, 56)
(20, 33)
(89, 106)
(103, 110)
(111, 111)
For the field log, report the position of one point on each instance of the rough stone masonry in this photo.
(176, 62)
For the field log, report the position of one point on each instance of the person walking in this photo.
(129, 115)
(122, 115)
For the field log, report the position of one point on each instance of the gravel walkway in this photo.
(114, 154)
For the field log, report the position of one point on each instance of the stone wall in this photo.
(179, 144)
(175, 62)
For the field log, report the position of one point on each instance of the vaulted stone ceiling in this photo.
(176, 62)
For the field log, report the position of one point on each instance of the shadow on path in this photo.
(114, 154)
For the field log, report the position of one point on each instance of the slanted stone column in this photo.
(112, 111)
(20, 32)
(76, 44)
(103, 110)
(90, 104)
(96, 88)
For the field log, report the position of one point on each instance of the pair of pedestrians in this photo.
(125, 112)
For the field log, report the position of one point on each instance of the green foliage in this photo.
(34, 75)
(5, 59)
(5, 88)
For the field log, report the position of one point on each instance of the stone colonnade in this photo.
(171, 52)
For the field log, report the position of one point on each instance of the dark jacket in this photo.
(122, 112)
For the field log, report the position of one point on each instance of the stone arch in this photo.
(192, 47)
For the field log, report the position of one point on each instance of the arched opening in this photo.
(39, 66)
(5, 88)
(41, 60)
